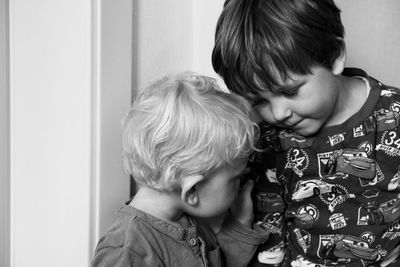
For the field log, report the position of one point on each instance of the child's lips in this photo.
(290, 125)
(296, 123)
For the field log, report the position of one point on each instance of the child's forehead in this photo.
(281, 82)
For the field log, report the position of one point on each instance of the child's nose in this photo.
(280, 111)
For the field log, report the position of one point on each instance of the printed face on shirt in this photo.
(303, 103)
(218, 191)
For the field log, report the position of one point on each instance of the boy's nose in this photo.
(281, 112)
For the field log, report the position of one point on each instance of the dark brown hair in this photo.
(258, 42)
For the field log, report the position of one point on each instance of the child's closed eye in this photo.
(291, 92)
(259, 101)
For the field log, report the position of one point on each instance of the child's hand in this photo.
(242, 208)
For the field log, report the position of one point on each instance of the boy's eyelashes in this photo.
(259, 101)
(262, 101)
(290, 92)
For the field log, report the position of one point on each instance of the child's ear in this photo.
(189, 192)
(340, 61)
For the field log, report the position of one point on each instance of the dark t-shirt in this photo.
(333, 198)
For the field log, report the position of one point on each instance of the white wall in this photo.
(51, 113)
(4, 139)
(373, 37)
(115, 84)
(174, 36)
(70, 83)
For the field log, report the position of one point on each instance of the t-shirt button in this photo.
(193, 241)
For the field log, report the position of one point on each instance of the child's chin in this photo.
(306, 131)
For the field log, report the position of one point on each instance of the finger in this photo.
(248, 187)
(244, 196)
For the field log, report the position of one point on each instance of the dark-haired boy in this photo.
(332, 196)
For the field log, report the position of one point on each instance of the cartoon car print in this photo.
(353, 152)
(273, 256)
(394, 182)
(391, 257)
(336, 175)
(387, 121)
(270, 202)
(292, 139)
(300, 261)
(387, 212)
(313, 187)
(389, 92)
(270, 174)
(348, 246)
(362, 167)
(337, 221)
(371, 193)
(348, 154)
(303, 220)
(268, 138)
(390, 210)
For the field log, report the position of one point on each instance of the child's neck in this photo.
(351, 99)
(162, 205)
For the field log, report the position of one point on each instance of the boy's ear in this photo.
(189, 192)
(339, 63)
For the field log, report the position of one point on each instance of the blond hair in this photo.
(184, 124)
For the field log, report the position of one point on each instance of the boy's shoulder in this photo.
(137, 237)
(128, 240)
(383, 103)
(127, 229)
(388, 97)
(386, 90)
(139, 231)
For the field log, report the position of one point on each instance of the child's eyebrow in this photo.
(288, 87)
(253, 97)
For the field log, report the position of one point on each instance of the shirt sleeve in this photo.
(239, 242)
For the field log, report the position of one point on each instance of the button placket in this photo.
(193, 241)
